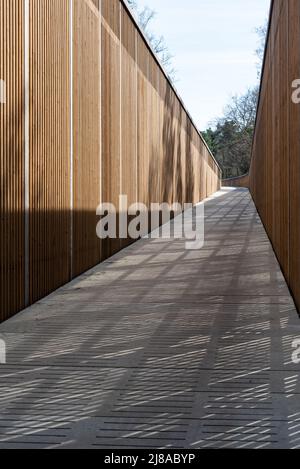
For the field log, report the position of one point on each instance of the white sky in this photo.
(213, 43)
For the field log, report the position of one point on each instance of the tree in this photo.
(230, 136)
(242, 109)
(158, 43)
(260, 51)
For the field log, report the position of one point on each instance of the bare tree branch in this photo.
(260, 51)
(145, 17)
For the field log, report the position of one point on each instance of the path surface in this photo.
(160, 347)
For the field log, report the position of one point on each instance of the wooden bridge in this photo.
(144, 345)
(160, 347)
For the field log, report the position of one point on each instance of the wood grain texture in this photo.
(294, 148)
(143, 126)
(128, 125)
(241, 181)
(111, 111)
(104, 120)
(86, 124)
(11, 159)
(49, 235)
(275, 165)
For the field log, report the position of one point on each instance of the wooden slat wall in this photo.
(294, 148)
(275, 165)
(154, 172)
(49, 227)
(168, 142)
(144, 146)
(128, 133)
(111, 111)
(181, 162)
(86, 128)
(128, 130)
(242, 181)
(11, 159)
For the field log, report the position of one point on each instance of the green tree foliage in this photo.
(231, 137)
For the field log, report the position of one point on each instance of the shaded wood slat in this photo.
(49, 227)
(129, 132)
(86, 142)
(11, 159)
(275, 164)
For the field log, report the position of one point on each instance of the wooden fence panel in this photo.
(111, 111)
(294, 148)
(86, 125)
(102, 120)
(128, 130)
(182, 161)
(275, 164)
(11, 158)
(143, 99)
(154, 169)
(49, 147)
(242, 181)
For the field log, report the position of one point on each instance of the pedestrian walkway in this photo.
(160, 347)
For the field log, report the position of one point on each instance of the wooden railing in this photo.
(240, 181)
(90, 114)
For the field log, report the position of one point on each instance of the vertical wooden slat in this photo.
(111, 108)
(128, 132)
(275, 165)
(49, 150)
(103, 120)
(294, 149)
(11, 158)
(86, 107)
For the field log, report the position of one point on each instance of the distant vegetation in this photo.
(230, 136)
(230, 139)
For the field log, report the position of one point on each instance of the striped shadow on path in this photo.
(160, 347)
